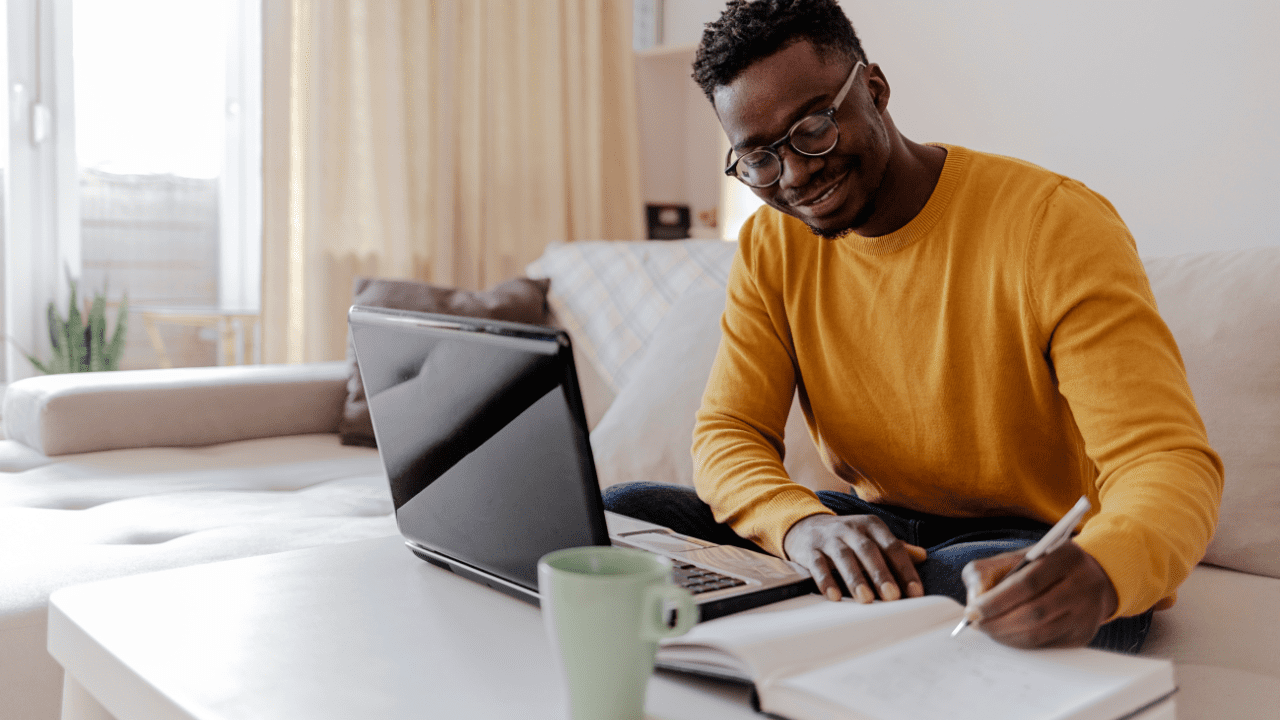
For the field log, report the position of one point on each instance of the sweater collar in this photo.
(927, 218)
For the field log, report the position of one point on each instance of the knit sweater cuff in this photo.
(767, 524)
(1128, 561)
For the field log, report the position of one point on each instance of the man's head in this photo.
(766, 66)
(750, 30)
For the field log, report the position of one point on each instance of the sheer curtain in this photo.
(442, 140)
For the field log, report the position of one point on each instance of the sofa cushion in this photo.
(90, 412)
(611, 295)
(647, 432)
(1207, 692)
(1223, 635)
(516, 300)
(91, 516)
(1224, 311)
(98, 515)
(1223, 619)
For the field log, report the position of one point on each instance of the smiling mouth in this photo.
(821, 196)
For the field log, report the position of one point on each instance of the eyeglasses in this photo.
(812, 135)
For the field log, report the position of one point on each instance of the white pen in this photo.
(1059, 534)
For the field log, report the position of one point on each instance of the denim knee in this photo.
(644, 499)
(940, 573)
(672, 506)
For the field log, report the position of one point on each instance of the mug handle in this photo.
(655, 598)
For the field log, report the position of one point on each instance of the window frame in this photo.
(42, 237)
(42, 181)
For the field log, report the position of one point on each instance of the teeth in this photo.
(821, 197)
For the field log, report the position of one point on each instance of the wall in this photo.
(682, 146)
(1171, 114)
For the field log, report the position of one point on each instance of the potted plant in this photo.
(80, 344)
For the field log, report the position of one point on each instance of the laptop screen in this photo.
(481, 431)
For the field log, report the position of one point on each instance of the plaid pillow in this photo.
(610, 295)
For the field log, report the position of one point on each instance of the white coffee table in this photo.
(362, 630)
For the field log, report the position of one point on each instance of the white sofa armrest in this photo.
(88, 412)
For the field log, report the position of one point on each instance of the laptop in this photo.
(481, 431)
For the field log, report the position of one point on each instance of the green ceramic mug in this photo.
(605, 609)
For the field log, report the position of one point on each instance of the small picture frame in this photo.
(667, 222)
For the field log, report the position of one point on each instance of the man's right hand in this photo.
(860, 548)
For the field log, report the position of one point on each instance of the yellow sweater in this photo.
(999, 355)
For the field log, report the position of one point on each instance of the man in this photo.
(975, 347)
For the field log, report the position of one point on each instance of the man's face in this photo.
(834, 193)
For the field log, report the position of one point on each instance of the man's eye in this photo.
(756, 160)
(803, 133)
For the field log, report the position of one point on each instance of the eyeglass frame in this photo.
(772, 148)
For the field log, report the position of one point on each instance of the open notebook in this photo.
(812, 658)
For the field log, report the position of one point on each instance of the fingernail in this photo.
(864, 594)
(914, 589)
(889, 591)
(833, 594)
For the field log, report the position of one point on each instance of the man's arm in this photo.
(738, 446)
(1159, 483)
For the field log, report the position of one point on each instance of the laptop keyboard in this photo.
(699, 580)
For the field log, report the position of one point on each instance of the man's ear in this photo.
(878, 86)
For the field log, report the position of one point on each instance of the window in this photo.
(137, 126)
(737, 201)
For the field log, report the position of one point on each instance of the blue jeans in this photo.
(951, 542)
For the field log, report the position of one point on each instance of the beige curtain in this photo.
(443, 140)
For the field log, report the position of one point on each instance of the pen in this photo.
(1058, 534)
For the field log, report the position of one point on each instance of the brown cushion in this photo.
(517, 300)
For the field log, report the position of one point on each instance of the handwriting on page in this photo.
(971, 677)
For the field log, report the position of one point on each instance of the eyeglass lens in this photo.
(813, 136)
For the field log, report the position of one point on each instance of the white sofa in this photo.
(110, 474)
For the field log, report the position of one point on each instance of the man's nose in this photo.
(796, 168)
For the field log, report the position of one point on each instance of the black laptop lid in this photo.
(482, 434)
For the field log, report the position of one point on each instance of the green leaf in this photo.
(97, 333)
(39, 365)
(57, 327)
(115, 348)
(80, 343)
(77, 353)
(57, 364)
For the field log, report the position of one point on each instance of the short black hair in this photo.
(750, 30)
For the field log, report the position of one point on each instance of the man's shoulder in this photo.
(1018, 185)
(1060, 221)
(992, 167)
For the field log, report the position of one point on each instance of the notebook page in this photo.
(971, 677)
(804, 631)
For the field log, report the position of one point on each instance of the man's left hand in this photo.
(1059, 600)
